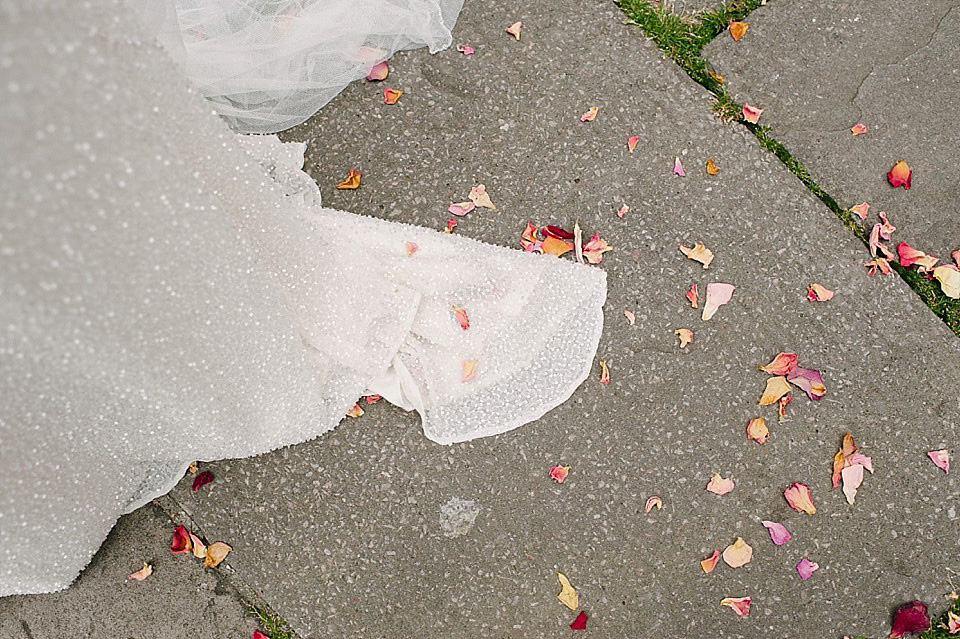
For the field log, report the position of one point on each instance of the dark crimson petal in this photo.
(202, 479)
(580, 623)
(910, 619)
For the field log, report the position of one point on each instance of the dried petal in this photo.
(757, 430)
(782, 364)
(514, 29)
(800, 498)
(738, 30)
(776, 388)
(778, 532)
(806, 568)
(860, 210)
(685, 335)
(678, 167)
(718, 485)
(740, 605)
(559, 473)
(900, 175)
(202, 479)
(653, 501)
(782, 404)
(372, 399)
(630, 316)
(881, 264)
(693, 296)
(259, 635)
(956, 257)
(858, 129)
(595, 248)
(604, 372)
(411, 248)
(529, 240)
(461, 208)
(478, 195)
(738, 554)
(852, 478)
(698, 253)
(622, 211)
(181, 541)
(380, 71)
(216, 553)
(751, 114)
(578, 242)
(356, 411)
(910, 256)
(718, 294)
(712, 167)
(886, 227)
(568, 595)
(632, 142)
(911, 618)
(590, 115)
(390, 96)
(461, 314)
(876, 246)
(580, 623)
(199, 548)
(193, 468)
(557, 232)
(553, 246)
(710, 562)
(941, 458)
(469, 370)
(451, 225)
(465, 49)
(949, 277)
(352, 181)
(818, 293)
(141, 574)
(809, 381)
(953, 622)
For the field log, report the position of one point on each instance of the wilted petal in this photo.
(881, 264)
(595, 248)
(653, 502)
(886, 228)
(860, 210)
(693, 296)
(462, 208)
(181, 541)
(878, 248)
(202, 479)
(710, 562)
(630, 316)
(590, 115)
(465, 49)
(806, 568)
(782, 404)
(776, 388)
(514, 29)
(461, 314)
(557, 232)
(852, 478)
(740, 605)
(141, 574)
(352, 181)
(469, 370)
(553, 246)
(751, 114)
(604, 372)
(900, 175)
(678, 167)
(718, 294)
(738, 554)
(559, 473)
(718, 485)
(699, 253)
(778, 532)
(411, 248)
(478, 195)
(818, 293)
(199, 548)
(356, 411)
(782, 364)
(941, 458)
(953, 622)
(956, 257)
(949, 277)
(451, 224)
(800, 498)
(685, 335)
(858, 129)
(632, 142)
(809, 381)
(712, 167)
(910, 256)
(911, 618)
(757, 430)
(738, 30)
(622, 211)
(379, 71)
(216, 553)
(390, 96)
(568, 595)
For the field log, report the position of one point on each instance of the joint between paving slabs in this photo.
(682, 37)
(272, 624)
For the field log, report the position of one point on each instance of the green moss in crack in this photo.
(273, 626)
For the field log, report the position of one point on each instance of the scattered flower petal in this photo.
(630, 316)
(465, 49)
(568, 595)
(529, 240)
(710, 562)
(469, 370)
(514, 29)
(202, 479)
(818, 293)
(380, 71)
(372, 399)
(876, 246)
(451, 225)
(941, 458)
(590, 115)
(718, 485)
(557, 232)
(751, 114)
(800, 498)
(956, 257)
(604, 372)
(782, 404)
(693, 296)
(685, 335)
(356, 411)
(654, 501)
(699, 253)
(181, 541)
(776, 388)
(411, 248)
(216, 553)
(461, 314)
(738, 30)
(718, 294)
(352, 181)
(900, 175)
(911, 618)
(390, 96)
(778, 532)
(678, 167)
(806, 568)
(809, 381)
(910, 256)
(578, 242)
(553, 246)
(953, 622)
(738, 554)
(141, 574)
(632, 142)
(595, 248)
(478, 195)
(860, 210)
(886, 227)
(559, 473)
(757, 430)
(881, 264)
(580, 623)
(259, 635)
(712, 167)
(461, 208)
(199, 548)
(949, 277)
(194, 468)
(852, 478)
(740, 605)
(782, 364)
(622, 211)
(858, 129)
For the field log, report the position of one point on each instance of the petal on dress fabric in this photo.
(460, 314)
(412, 247)
(469, 370)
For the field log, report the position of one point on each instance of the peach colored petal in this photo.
(390, 96)
(699, 253)
(141, 574)
(595, 248)
(678, 167)
(465, 49)
(411, 248)
(352, 181)
(654, 501)
(469, 370)
(886, 227)
(941, 458)
(806, 568)
(356, 411)
(910, 256)
(776, 388)
(718, 294)
(778, 532)
(630, 316)
(559, 473)
(876, 246)
(852, 479)
(712, 167)
(632, 142)
(751, 114)
(860, 210)
(953, 622)
(461, 314)
(900, 175)
(949, 277)
(757, 430)
(858, 129)
(461, 208)
(782, 364)
(693, 296)
(451, 225)
(604, 372)
(514, 29)
(622, 211)
(568, 595)
(590, 115)
(216, 553)
(738, 30)
(478, 195)
(880, 264)
(718, 485)
(553, 246)
(685, 335)
(740, 605)
(800, 498)
(738, 554)
(529, 240)
(710, 562)
(380, 71)
(818, 293)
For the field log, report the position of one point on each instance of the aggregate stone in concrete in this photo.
(180, 600)
(350, 535)
(818, 67)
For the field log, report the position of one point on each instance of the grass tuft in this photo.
(272, 625)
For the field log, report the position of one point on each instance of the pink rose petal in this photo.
(806, 568)
(860, 210)
(800, 498)
(379, 72)
(858, 129)
(953, 622)
(751, 114)
(782, 364)
(740, 605)
(461, 208)
(910, 256)
(678, 167)
(595, 248)
(852, 479)
(718, 485)
(465, 49)
(590, 115)
(886, 228)
(411, 247)
(654, 501)
(718, 294)
(778, 532)
(632, 142)
(514, 29)
(941, 458)
(559, 473)
(622, 211)
(630, 316)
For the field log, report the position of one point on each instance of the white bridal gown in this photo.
(171, 291)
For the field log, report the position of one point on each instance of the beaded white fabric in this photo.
(170, 291)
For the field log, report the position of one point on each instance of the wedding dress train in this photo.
(171, 291)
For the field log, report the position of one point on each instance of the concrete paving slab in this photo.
(817, 68)
(352, 535)
(180, 600)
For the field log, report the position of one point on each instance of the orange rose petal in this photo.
(782, 364)
(411, 248)
(740, 605)
(216, 553)
(685, 335)
(590, 115)
(751, 114)
(390, 96)
(630, 316)
(141, 574)
(693, 295)
(720, 486)
(737, 554)
(900, 175)
(757, 430)
(632, 142)
(469, 370)
(800, 498)
(604, 372)
(461, 315)
(738, 30)
(514, 29)
(858, 129)
(699, 253)
(352, 181)
(776, 388)
(653, 502)
(356, 411)
(553, 246)
(379, 72)
(712, 167)
(478, 195)
(710, 562)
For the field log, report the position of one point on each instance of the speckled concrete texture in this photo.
(180, 600)
(345, 536)
(818, 67)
